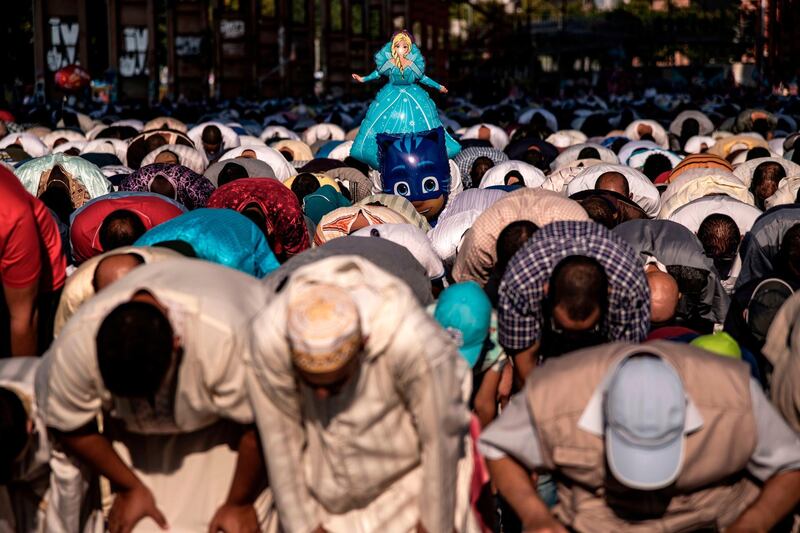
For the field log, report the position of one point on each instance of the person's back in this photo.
(219, 235)
(334, 368)
(164, 362)
(32, 269)
(659, 436)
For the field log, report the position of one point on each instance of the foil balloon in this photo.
(415, 166)
(401, 106)
(72, 78)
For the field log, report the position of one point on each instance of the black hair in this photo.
(161, 185)
(602, 210)
(14, 431)
(579, 284)
(511, 239)
(304, 184)
(134, 349)
(120, 228)
(757, 153)
(231, 172)
(689, 129)
(211, 135)
(655, 165)
(478, 169)
(514, 174)
(719, 235)
(589, 152)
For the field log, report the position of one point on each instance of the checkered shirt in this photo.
(522, 287)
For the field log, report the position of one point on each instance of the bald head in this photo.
(615, 182)
(664, 295)
(114, 267)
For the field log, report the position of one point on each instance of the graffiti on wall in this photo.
(188, 45)
(63, 48)
(133, 60)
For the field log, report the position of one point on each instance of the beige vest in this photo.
(711, 490)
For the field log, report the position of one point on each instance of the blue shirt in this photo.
(221, 236)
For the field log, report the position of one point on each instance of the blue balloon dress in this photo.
(401, 106)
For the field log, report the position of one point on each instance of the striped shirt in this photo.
(522, 287)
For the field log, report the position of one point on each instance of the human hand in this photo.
(358, 78)
(130, 506)
(232, 518)
(443, 89)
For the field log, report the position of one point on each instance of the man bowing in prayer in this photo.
(357, 395)
(157, 354)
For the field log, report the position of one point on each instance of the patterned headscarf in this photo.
(191, 189)
(285, 222)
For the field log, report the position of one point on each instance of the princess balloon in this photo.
(401, 106)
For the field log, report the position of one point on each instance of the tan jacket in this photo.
(711, 489)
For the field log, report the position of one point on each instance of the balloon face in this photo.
(415, 167)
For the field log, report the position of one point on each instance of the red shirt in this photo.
(30, 245)
(85, 230)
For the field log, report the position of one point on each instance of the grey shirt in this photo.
(777, 446)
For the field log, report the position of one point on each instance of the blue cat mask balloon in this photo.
(415, 166)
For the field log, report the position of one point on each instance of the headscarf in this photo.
(323, 201)
(86, 181)
(285, 221)
(191, 189)
(401, 206)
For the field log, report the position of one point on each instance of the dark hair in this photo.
(155, 141)
(254, 212)
(536, 159)
(655, 165)
(689, 129)
(719, 235)
(514, 174)
(580, 285)
(120, 228)
(211, 135)
(478, 169)
(601, 210)
(14, 431)
(766, 178)
(757, 153)
(618, 143)
(231, 172)
(761, 125)
(511, 239)
(161, 185)
(134, 349)
(304, 184)
(589, 152)
(57, 195)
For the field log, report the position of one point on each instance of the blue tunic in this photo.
(401, 106)
(218, 235)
